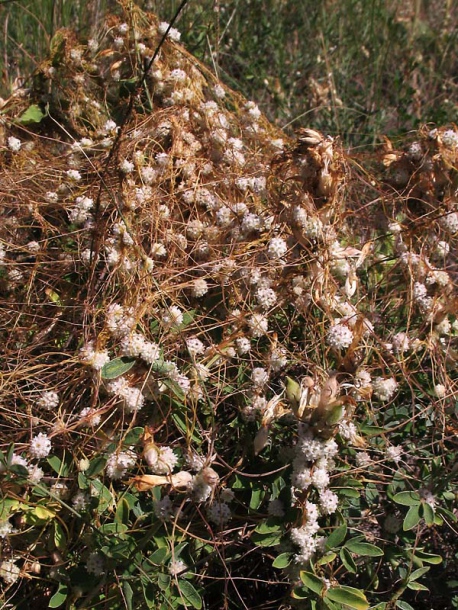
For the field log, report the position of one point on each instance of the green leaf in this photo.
(428, 557)
(271, 539)
(133, 436)
(60, 539)
(337, 536)
(19, 470)
(103, 495)
(353, 598)
(43, 513)
(189, 593)
(149, 593)
(163, 581)
(349, 492)
(60, 467)
(117, 367)
(363, 548)
(312, 582)
(300, 593)
(326, 558)
(59, 596)
(347, 560)
(96, 466)
(33, 114)
(407, 498)
(128, 594)
(7, 508)
(417, 586)
(257, 497)
(113, 528)
(268, 526)
(418, 573)
(283, 560)
(412, 518)
(403, 605)
(428, 513)
(160, 556)
(122, 512)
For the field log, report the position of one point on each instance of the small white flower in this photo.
(161, 460)
(5, 529)
(384, 389)
(176, 566)
(48, 400)
(328, 502)
(277, 248)
(259, 377)
(163, 508)
(394, 453)
(320, 478)
(73, 175)
(173, 317)
(9, 571)
(363, 459)
(339, 336)
(173, 34)
(440, 390)
(14, 144)
(94, 358)
(199, 288)
(126, 166)
(40, 446)
(258, 324)
(119, 463)
(195, 346)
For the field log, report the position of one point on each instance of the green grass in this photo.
(351, 68)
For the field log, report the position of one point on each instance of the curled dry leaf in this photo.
(180, 480)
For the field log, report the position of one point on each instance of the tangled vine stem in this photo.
(217, 341)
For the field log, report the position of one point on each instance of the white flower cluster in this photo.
(40, 446)
(119, 463)
(339, 336)
(48, 400)
(80, 212)
(384, 389)
(9, 571)
(14, 144)
(132, 397)
(173, 33)
(161, 460)
(93, 357)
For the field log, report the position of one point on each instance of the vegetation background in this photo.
(351, 68)
(359, 71)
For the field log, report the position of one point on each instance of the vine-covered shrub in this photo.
(229, 367)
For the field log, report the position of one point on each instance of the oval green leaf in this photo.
(412, 518)
(353, 598)
(347, 560)
(337, 536)
(189, 593)
(428, 513)
(407, 498)
(312, 582)
(283, 560)
(363, 548)
(33, 114)
(59, 597)
(117, 367)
